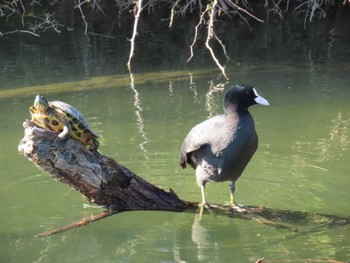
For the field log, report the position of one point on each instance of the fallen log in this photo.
(100, 179)
(108, 184)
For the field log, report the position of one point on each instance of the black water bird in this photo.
(220, 148)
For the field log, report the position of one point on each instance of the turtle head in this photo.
(40, 103)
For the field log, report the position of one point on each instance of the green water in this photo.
(302, 164)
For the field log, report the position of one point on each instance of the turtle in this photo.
(65, 119)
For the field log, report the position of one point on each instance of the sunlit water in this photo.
(302, 164)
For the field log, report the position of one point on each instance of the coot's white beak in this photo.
(259, 99)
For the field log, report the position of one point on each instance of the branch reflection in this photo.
(139, 119)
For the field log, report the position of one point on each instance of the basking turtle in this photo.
(63, 118)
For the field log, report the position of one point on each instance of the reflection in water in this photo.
(139, 119)
(327, 149)
(44, 253)
(311, 166)
(193, 86)
(177, 253)
(330, 42)
(210, 103)
(339, 133)
(171, 91)
(322, 150)
(200, 237)
(205, 246)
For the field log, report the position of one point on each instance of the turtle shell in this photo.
(56, 115)
(77, 122)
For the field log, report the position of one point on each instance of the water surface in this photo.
(301, 164)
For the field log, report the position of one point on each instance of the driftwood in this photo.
(110, 185)
(100, 179)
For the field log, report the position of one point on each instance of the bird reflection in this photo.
(200, 236)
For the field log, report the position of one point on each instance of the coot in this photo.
(220, 148)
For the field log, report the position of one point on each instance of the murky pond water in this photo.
(302, 162)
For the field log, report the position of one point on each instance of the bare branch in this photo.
(245, 11)
(138, 10)
(23, 11)
(47, 22)
(19, 31)
(172, 13)
(311, 8)
(210, 35)
(275, 9)
(82, 13)
(222, 46)
(201, 19)
(79, 223)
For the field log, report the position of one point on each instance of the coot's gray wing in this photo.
(202, 136)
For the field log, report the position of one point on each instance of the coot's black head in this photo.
(242, 96)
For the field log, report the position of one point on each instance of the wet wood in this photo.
(106, 183)
(80, 223)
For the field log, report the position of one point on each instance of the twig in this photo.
(211, 34)
(82, 14)
(222, 46)
(276, 8)
(139, 8)
(79, 223)
(201, 18)
(101, 35)
(172, 13)
(19, 31)
(81, 3)
(246, 12)
(23, 13)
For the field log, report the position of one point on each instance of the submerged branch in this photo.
(80, 223)
(276, 218)
(112, 186)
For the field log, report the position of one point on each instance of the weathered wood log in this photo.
(106, 183)
(100, 179)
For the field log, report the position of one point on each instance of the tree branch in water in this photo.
(112, 186)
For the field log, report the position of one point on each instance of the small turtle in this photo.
(63, 118)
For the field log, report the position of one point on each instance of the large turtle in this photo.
(63, 118)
